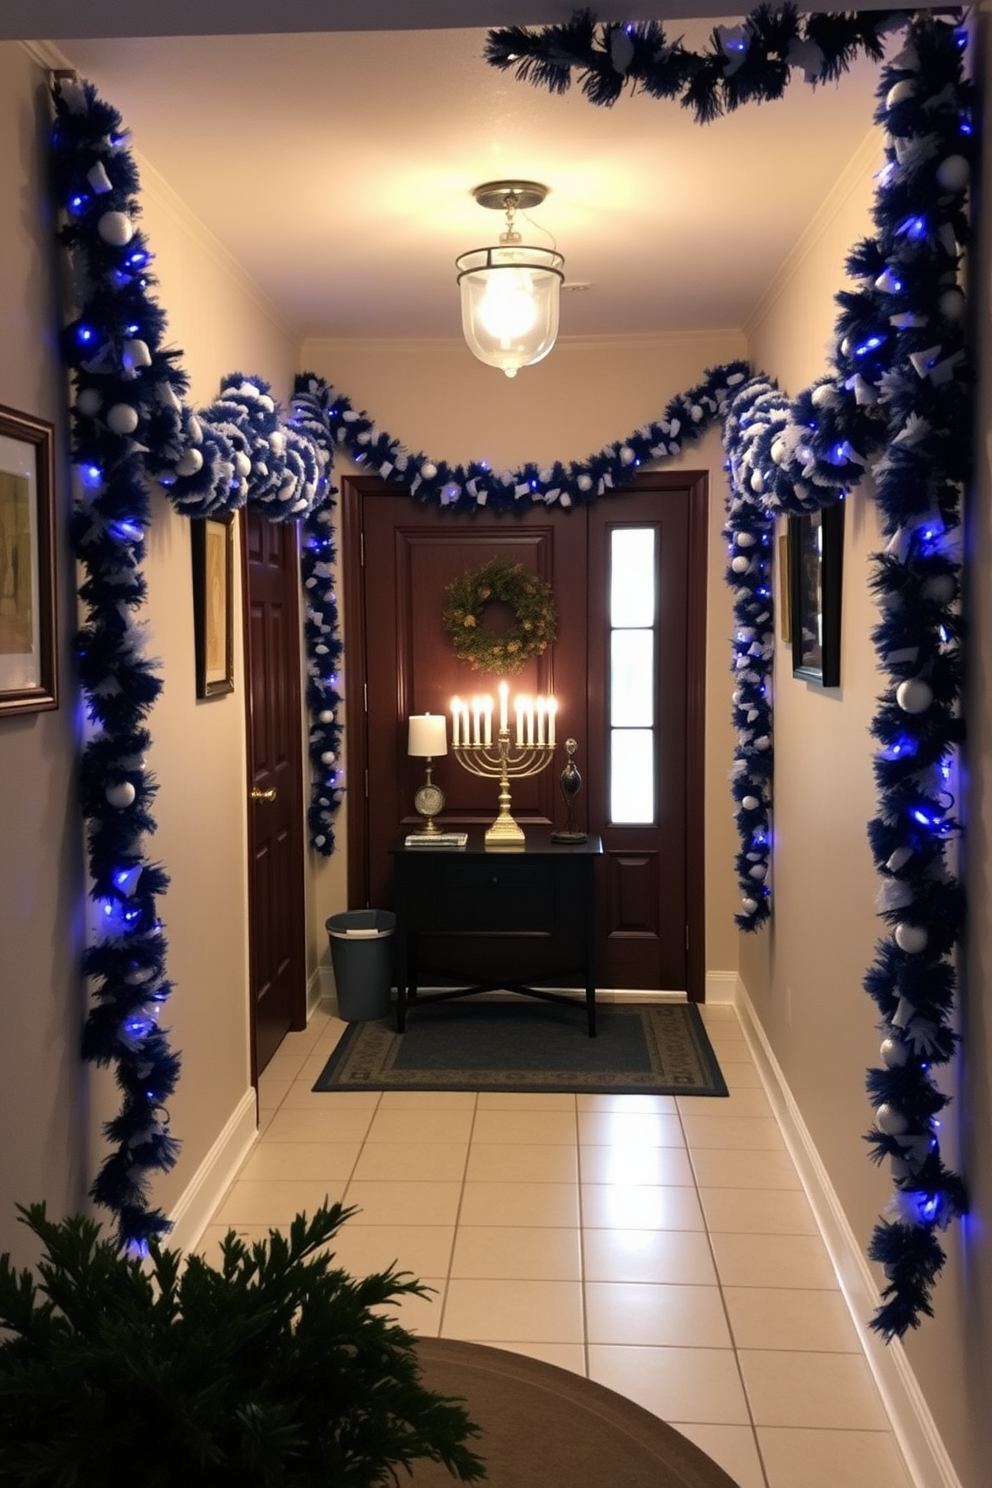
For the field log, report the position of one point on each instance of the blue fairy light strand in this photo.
(130, 425)
(896, 403)
(745, 63)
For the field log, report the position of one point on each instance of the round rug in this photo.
(542, 1425)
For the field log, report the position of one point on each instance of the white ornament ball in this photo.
(749, 905)
(914, 695)
(759, 871)
(744, 539)
(740, 565)
(428, 470)
(326, 716)
(763, 743)
(894, 1053)
(584, 482)
(242, 464)
(953, 173)
(120, 795)
(757, 482)
(823, 394)
(777, 450)
(190, 463)
(115, 228)
(900, 92)
(952, 304)
(122, 418)
(890, 1120)
(328, 757)
(910, 938)
(940, 588)
(750, 803)
(89, 402)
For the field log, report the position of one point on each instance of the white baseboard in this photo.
(914, 1428)
(721, 986)
(205, 1189)
(319, 989)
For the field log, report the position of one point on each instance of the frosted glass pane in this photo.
(632, 678)
(632, 788)
(632, 597)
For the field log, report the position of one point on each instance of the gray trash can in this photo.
(362, 957)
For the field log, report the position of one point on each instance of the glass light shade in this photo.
(510, 303)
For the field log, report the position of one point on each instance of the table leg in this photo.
(402, 963)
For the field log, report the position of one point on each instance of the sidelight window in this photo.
(632, 704)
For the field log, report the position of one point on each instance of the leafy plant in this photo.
(274, 1371)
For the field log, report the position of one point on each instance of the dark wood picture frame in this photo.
(28, 667)
(816, 563)
(784, 593)
(212, 543)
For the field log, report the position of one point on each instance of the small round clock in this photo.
(429, 802)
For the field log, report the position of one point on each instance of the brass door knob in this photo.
(263, 795)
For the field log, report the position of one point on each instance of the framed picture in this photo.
(784, 594)
(816, 563)
(28, 679)
(213, 604)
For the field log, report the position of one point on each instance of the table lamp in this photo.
(427, 740)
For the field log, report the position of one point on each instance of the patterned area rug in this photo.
(641, 1048)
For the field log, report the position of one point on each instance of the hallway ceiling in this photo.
(337, 168)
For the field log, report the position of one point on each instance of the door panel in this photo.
(275, 825)
(411, 555)
(398, 650)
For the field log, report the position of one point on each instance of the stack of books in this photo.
(437, 839)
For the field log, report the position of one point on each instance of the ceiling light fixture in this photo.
(510, 292)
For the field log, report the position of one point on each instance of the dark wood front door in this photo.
(399, 661)
(277, 963)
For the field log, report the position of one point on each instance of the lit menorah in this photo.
(500, 759)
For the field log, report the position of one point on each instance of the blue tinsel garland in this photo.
(894, 402)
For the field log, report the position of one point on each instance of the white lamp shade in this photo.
(510, 304)
(428, 736)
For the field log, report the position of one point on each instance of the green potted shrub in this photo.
(275, 1369)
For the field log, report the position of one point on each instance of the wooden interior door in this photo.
(277, 956)
(652, 872)
(399, 557)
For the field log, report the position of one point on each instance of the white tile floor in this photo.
(661, 1246)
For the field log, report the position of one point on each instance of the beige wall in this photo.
(437, 398)
(43, 1087)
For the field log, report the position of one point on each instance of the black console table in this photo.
(542, 888)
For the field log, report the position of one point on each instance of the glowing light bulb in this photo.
(507, 310)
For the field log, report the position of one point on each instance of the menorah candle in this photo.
(552, 710)
(487, 720)
(540, 707)
(504, 693)
(476, 720)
